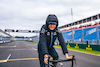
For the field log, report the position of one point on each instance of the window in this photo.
(84, 20)
(99, 16)
(94, 17)
(80, 22)
(88, 19)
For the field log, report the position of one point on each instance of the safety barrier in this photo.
(5, 41)
(84, 46)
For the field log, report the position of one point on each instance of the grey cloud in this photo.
(32, 14)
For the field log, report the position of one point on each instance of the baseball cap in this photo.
(52, 23)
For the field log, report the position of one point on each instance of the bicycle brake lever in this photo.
(75, 62)
(74, 59)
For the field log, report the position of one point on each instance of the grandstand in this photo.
(83, 31)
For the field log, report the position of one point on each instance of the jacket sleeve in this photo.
(62, 42)
(43, 41)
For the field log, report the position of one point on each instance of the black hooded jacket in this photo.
(45, 36)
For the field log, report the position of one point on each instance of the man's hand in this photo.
(46, 59)
(68, 57)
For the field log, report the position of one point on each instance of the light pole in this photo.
(97, 33)
(71, 25)
(82, 35)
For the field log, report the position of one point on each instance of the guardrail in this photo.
(84, 46)
(92, 42)
(5, 41)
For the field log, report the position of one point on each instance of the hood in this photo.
(51, 18)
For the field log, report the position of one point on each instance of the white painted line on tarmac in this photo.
(8, 57)
(2, 61)
(61, 63)
(34, 49)
(7, 46)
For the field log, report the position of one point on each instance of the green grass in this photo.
(82, 50)
(32, 42)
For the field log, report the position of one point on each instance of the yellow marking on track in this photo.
(20, 59)
(1, 60)
(23, 59)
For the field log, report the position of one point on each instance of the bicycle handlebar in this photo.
(56, 61)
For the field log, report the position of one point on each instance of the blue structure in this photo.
(90, 31)
(90, 34)
(19, 39)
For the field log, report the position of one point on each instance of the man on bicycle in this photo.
(48, 34)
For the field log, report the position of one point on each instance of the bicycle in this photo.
(60, 60)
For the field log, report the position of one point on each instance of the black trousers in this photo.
(51, 51)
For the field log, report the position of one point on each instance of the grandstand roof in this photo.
(85, 20)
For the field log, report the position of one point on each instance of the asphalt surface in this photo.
(24, 54)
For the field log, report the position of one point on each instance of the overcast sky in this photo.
(32, 14)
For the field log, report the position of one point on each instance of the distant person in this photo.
(48, 34)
